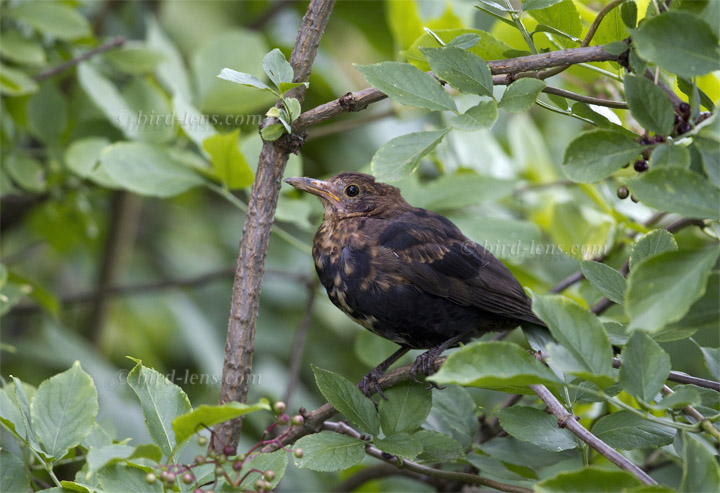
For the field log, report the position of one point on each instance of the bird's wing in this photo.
(432, 254)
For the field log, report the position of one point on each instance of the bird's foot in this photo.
(425, 363)
(370, 382)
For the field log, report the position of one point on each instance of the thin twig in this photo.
(567, 420)
(344, 126)
(113, 43)
(679, 377)
(705, 423)
(240, 342)
(621, 105)
(299, 343)
(463, 477)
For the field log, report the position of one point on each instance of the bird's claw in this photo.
(370, 382)
(425, 363)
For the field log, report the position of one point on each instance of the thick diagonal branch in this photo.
(239, 345)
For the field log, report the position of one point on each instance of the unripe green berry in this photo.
(283, 419)
(279, 407)
(298, 452)
(269, 475)
(219, 471)
(150, 478)
(188, 478)
(170, 477)
(297, 420)
(202, 441)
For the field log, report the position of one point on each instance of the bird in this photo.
(407, 274)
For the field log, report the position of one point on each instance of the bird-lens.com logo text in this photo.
(533, 249)
(131, 120)
(181, 378)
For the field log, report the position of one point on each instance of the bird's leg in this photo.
(372, 378)
(426, 361)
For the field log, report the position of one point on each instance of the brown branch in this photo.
(409, 465)
(113, 43)
(239, 345)
(567, 420)
(521, 66)
(351, 124)
(683, 378)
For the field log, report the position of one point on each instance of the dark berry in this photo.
(641, 165)
(229, 450)
(683, 128)
(645, 141)
(237, 466)
(684, 110)
(634, 199)
(659, 139)
(622, 192)
(677, 119)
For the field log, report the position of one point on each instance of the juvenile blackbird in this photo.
(407, 274)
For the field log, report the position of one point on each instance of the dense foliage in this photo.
(130, 142)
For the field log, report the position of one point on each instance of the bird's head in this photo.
(351, 194)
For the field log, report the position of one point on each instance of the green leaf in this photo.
(703, 314)
(458, 191)
(64, 409)
(275, 461)
(14, 477)
(97, 458)
(650, 244)
(597, 154)
(10, 413)
(403, 19)
(272, 132)
(329, 451)
(465, 41)
(520, 96)
(535, 426)
(683, 395)
(400, 156)
(288, 86)
(244, 79)
(134, 58)
(680, 42)
(462, 69)
(579, 332)
(645, 366)
(626, 431)
(103, 93)
(126, 478)
(400, 444)
(230, 165)
(538, 4)
(205, 416)
(23, 405)
(710, 153)
(189, 122)
(493, 365)
(524, 454)
(662, 288)
(628, 13)
(162, 401)
(53, 19)
(487, 48)
(615, 48)
(82, 156)
(482, 115)
(649, 104)
(408, 85)
(670, 155)
(19, 49)
(348, 400)
(700, 467)
(15, 82)
(150, 118)
(406, 407)
(587, 479)
(277, 67)
(606, 279)
(171, 72)
(711, 355)
(563, 17)
(47, 112)
(148, 169)
(438, 447)
(453, 414)
(26, 172)
(495, 469)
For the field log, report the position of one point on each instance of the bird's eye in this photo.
(352, 190)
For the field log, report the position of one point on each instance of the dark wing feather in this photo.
(436, 257)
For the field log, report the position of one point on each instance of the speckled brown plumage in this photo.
(407, 274)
